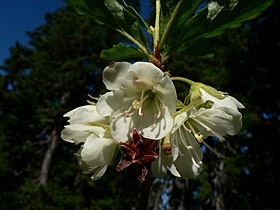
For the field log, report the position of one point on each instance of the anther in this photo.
(136, 104)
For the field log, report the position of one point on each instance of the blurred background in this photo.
(55, 68)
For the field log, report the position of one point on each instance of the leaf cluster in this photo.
(180, 26)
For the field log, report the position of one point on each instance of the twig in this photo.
(145, 190)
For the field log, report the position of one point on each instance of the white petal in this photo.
(99, 172)
(160, 129)
(167, 93)
(187, 154)
(77, 133)
(96, 171)
(228, 101)
(116, 76)
(87, 107)
(159, 165)
(187, 167)
(84, 115)
(110, 102)
(162, 164)
(217, 122)
(146, 72)
(97, 153)
(122, 125)
(237, 103)
(179, 120)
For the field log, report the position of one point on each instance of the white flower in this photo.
(97, 153)
(81, 120)
(88, 127)
(214, 113)
(141, 97)
(216, 122)
(186, 153)
(193, 124)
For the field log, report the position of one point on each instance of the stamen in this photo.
(188, 130)
(159, 107)
(188, 146)
(126, 113)
(131, 110)
(136, 104)
(157, 115)
(199, 137)
(221, 138)
(195, 163)
(154, 124)
(141, 103)
(161, 102)
(142, 100)
(213, 150)
(129, 114)
(186, 142)
(117, 115)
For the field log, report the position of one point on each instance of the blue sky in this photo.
(20, 16)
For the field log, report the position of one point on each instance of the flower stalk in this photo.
(138, 44)
(182, 79)
(157, 26)
(169, 24)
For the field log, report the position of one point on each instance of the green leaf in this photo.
(99, 14)
(211, 21)
(121, 52)
(173, 14)
(115, 14)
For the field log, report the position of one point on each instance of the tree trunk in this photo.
(219, 186)
(48, 156)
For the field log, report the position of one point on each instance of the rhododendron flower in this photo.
(88, 127)
(141, 97)
(208, 113)
(216, 122)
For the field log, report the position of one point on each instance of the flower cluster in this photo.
(142, 118)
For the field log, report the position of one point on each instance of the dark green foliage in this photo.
(115, 13)
(193, 22)
(245, 65)
(38, 86)
(121, 52)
